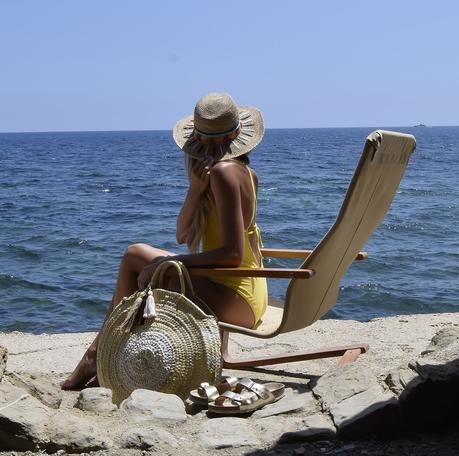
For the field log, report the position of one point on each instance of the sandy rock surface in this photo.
(393, 341)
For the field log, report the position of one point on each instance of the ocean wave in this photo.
(98, 306)
(416, 191)
(11, 281)
(5, 184)
(370, 286)
(69, 243)
(411, 226)
(24, 252)
(7, 206)
(23, 325)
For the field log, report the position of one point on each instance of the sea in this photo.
(70, 204)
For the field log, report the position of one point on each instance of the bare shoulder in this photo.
(225, 166)
(224, 171)
(231, 171)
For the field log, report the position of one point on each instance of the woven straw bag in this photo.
(173, 348)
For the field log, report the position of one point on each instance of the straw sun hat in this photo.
(219, 128)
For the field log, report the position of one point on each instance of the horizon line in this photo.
(270, 128)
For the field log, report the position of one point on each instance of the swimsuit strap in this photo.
(254, 211)
(253, 227)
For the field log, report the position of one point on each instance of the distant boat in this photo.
(420, 125)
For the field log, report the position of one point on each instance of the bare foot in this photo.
(86, 370)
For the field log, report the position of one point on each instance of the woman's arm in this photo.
(225, 187)
(199, 181)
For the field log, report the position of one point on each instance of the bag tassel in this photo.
(150, 309)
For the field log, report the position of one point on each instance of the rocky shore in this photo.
(402, 397)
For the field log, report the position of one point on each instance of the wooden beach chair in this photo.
(314, 287)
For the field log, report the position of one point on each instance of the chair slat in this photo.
(295, 253)
(252, 272)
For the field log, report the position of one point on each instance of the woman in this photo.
(218, 213)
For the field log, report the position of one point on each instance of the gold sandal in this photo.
(208, 393)
(249, 396)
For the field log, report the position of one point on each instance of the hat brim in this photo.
(250, 135)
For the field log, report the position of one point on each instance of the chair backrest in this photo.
(372, 188)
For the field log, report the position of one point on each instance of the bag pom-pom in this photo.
(150, 309)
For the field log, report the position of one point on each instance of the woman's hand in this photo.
(145, 276)
(200, 176)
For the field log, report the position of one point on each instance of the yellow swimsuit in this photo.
(252, 289)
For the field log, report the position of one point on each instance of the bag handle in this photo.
(158, 279)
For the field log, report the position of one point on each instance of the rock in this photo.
(401, 378)
(27, 424)
(193, 409)
(341, 383)
(39, 386)
(3, 360)
(97, 400)
(441, 365)
(430, 404)
(442, 339)
(291, 403)
(148, 439)
(432, 400)
(23, 420)
(144, 405)
(271, 429)
(373, 411)
(75, 434)
(316, 427)
(227, 433)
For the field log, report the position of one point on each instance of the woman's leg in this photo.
(227, 305)
(135, 258)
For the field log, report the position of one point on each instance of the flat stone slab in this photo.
(441, 365)
(291, 403)
(442, 339)
(157, 440)
(343, 382)
(373, 411)
(272, 428)
(97, 400)
(39, 386)
(227, 433)
(75, 434)
(22, 420)
(144, 405)
(27, 424)
(316, 427)
(401, 379)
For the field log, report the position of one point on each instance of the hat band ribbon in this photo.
(218, 134)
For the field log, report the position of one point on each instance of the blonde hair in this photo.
(199, 221)
(196, 229)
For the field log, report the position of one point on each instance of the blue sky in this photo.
(141, 65)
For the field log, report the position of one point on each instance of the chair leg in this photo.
(348, 353)
(349, 356)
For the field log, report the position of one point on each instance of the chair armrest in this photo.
(293, 253)
(252, 272)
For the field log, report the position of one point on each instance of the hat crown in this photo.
(216, 113)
